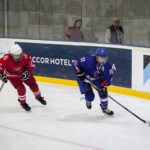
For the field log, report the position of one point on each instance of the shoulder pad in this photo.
(25, 56)
(6, 57)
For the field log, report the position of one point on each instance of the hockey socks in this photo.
(104, 107)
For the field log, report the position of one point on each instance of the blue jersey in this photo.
(92, 70)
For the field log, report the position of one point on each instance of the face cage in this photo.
(16, 57)
(101, 60)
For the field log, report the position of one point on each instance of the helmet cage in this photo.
(101, 60)
(16, 57)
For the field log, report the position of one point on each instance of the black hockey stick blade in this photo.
(144, 121)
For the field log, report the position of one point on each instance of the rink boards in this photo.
(53, 63)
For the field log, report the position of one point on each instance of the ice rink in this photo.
(66, 124)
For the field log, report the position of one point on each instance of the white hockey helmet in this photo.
(16, 52)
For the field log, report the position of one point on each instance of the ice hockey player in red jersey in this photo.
(17, 67)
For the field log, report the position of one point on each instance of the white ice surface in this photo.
(66, 124)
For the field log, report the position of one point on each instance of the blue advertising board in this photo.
(55, 60)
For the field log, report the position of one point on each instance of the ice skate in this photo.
(26, 107)
(108, 112)
(88, 105)
(41, 100)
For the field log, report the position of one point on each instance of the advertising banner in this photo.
(146, 72)
(55, 60)
(141, 70)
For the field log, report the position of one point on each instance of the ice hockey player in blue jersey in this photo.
(99, 71)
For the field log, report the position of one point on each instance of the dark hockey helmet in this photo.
(101, 52)
(101, 55)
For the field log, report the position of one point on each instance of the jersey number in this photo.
(82, 59)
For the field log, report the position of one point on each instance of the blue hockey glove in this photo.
(3, 78)
(25, 75)
(81, 75)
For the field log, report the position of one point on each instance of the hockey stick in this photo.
(98, 89)
(2, 86)
(8, 76)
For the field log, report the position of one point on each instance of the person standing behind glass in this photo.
(74, 32)
(115, 33)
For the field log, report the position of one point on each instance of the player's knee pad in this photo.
(89, 95)
(32, 85)
(21, 89)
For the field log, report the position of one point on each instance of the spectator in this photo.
(74, 32)
(115, 32)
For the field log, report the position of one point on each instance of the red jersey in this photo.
(74, 34)
(14, 69)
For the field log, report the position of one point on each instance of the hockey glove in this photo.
(3, 78)
(81, 75)
(25, 75)
(103, 88)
